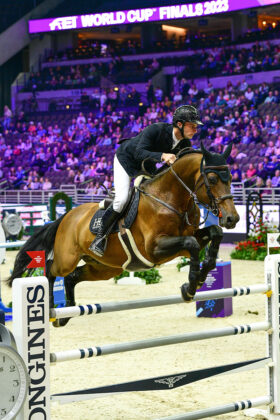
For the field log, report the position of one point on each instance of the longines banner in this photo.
(31, 332)
(181, 11)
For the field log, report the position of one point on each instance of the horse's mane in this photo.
(165, 168)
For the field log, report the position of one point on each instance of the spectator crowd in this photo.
(222, 61)
(49, 150)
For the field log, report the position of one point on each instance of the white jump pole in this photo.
(13, 244)
(97, 308)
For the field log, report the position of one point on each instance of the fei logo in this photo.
(68, 22)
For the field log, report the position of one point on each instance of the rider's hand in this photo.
(168, 158)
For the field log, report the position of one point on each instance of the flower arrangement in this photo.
(255, 248)
(150, 276)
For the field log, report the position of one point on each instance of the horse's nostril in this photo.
(229, 219)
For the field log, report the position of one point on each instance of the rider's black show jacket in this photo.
(150, 143)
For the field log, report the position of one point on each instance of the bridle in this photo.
(213, 206)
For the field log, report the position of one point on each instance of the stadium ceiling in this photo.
(74, 7)
(94, 6)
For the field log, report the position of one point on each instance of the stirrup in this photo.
(98, 246)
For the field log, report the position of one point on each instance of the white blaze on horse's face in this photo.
(228, 216)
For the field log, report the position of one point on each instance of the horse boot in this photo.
(99, 244)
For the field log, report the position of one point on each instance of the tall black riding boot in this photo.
(98, 246)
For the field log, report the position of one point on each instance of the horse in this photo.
(167, 225)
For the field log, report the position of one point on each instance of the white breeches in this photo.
(122, 184)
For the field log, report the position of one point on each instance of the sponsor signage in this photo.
(37, 260)
(151, 14)
(31, 331)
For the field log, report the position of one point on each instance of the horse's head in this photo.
(213, 186)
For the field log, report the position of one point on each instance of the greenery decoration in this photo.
(150, 276)
(186, 261)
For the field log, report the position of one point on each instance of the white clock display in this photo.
(14, 382)
(12, 224)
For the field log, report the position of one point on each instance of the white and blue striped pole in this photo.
(96, 308)
(86, 353)
(222, 409)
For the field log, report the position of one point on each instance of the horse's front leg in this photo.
(214, 235)
(168, 246)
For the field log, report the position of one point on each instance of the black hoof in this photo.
(60, 322)
(186, 295)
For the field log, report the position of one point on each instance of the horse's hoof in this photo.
(60, 322)
(186, 295)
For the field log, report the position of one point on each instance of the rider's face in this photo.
(190, 129)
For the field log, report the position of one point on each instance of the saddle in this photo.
(129, 213)
(135, 260)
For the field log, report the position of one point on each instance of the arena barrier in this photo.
(3, 307)
(31, 330)
(13, 244)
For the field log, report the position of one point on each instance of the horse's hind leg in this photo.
(69, 285)
(62, 265)
(51, 280)
(214, 235)
(91, 271)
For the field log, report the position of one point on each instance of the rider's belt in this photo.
(135, 260)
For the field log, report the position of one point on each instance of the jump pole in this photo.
(13, 244)
(97, 308)
(31, 330)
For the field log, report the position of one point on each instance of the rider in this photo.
(160, 142)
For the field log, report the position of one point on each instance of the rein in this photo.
(214, 201)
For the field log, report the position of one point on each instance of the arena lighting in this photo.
(116, 88)
(273, 24)
(168, 28)
(151, 14)
(264, 22)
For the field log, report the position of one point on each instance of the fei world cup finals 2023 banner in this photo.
(181, 11)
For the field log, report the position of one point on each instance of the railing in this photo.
(42, 197)
(269, 195)
(79, 196)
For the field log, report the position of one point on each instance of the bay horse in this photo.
(167, 225)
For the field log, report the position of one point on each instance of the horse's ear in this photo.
(205, 152)
(227, 151)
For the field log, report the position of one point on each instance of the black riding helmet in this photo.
(183, 114)
(186, 113)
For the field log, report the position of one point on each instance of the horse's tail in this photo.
(42, 240)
